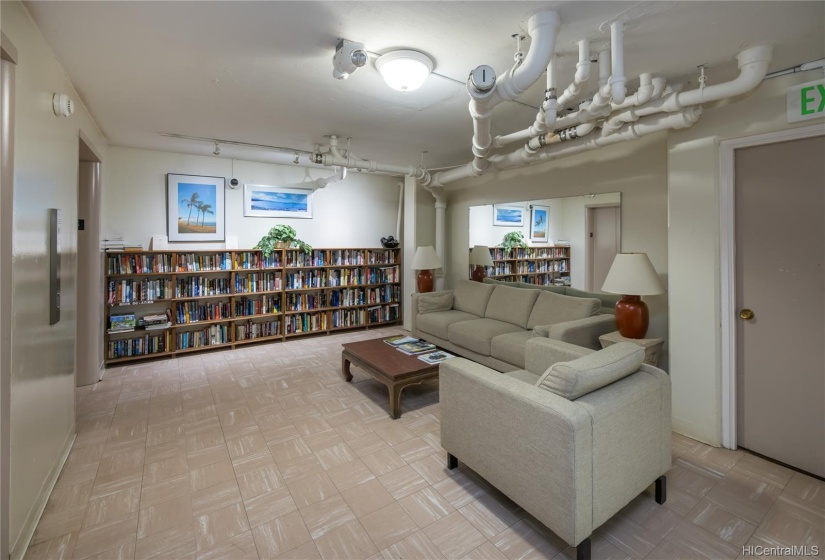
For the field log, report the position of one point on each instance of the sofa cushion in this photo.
(608, 300)
(511, 347)
(436, 324)
(555, 289)
(584, 375)
(523, 375)
(488, 280)
(430, 303)
(476, 334)
(553, 308)
(472, 297)
(511, 305)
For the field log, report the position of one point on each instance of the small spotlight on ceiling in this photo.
(404, 70)
(349, 57)
(217, 151)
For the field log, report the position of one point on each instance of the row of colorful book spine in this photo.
(260, 306)
(209, 336)
(252, 330)
(138, 346)
(138, 264)
(306, 322)
(120, 292)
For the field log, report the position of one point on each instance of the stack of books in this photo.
(113, 244)
(156, 322)
(121, 323)
(414, 348)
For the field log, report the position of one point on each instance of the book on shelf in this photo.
(122, 323)
(158, 326)
(399, 340)
(435, 357)
(419, 347)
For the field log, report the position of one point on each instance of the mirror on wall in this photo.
(570, 241)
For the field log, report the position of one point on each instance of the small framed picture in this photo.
(262, 201)
(195, 207)
(538, 223)
(508, 215)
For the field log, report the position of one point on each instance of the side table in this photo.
(652, 346)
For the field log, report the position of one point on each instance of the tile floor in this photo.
(264, 452)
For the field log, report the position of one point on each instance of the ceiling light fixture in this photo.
(404, 70)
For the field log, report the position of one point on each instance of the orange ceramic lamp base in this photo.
(479, 273)
(425, 281)
(632, 317)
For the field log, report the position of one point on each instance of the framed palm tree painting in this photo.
(538, 223)
(195, 207)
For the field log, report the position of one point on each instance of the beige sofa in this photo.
(490, 323)
(571, 446)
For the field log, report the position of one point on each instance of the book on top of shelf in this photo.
(158, 326)
(435, 357)
(400, 339)
(419, 347)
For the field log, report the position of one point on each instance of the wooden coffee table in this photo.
(387, 365)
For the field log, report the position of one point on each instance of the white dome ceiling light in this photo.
(404, 70)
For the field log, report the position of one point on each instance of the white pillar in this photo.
(441, 237)
(409, 245)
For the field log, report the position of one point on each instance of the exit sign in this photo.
(806, 101)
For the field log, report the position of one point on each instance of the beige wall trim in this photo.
(727, 256)
(7, 49)
(19, 547)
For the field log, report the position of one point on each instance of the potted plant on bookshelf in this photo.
(281, 237)
(514, 240)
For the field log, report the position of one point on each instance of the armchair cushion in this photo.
(579, 377)
(512, 305)
(472, 297)
(553, 308)
(511, 347)
(430, 303)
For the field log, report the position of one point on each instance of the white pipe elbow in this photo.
(543, 28)
(659, 85)
(617, 61)
(583, 65)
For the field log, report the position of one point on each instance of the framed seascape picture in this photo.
(508, 215)
(538, 223)
(262, 201)
(195, 207)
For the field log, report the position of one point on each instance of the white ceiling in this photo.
(261, 72)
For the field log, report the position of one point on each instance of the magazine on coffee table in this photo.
(435, 357)
(399, 340)
(418, 347)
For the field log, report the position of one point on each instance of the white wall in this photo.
(638, 170)
(356, 212)
(694, 240)
(43, 356)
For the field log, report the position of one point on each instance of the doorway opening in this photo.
(604, 240)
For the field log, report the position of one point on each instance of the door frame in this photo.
(588, 240)
(727, 260)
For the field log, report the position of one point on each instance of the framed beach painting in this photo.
(262, 201)
(195, 207)
(508, 215)
(538, 223)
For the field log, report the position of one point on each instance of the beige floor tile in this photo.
(679, 501)
(454, 536)
(106, 536)
(108, 484)
(394, 433)
(59, 523)
(721, 523)
(269, 505)
(414, 450)
(432, 468)
(69, 495)
(210, 475)
(326, 515)
(56, 548)
(689, 480)
(246, 445)
(281, 535)
(350, 474)
(792, 522)
(169, 543)
(488, 515)
(487, 551)
(744, 496)
(123, 552)
(165, 469)
(168, 489)
(260, 481)
(112, 506)
(321, 440)
(523, 540)
(383, 462)
(403, 482)
(203, 439)
(252, 462)
(631, 537)
(806, 489)
(368, 497)
(645, 512)
(165, 451)
(601, 549)
(335, 456)
(290, 449)
(311, 425)
(218, 526)
(311, 489)
(165, 434)
(368, 444)
(215, 497)
(240, 547)
(275, 435)
(353, 430)
(702, 543)
(295, 469)
(459, 490)
(121, 461)
(426, 507)
(388, 525)
(416, 546)
(758, 467)
(345, 542)
(164, 515)
(306, 551)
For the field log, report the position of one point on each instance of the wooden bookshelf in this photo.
(542, 266)
(222, 299)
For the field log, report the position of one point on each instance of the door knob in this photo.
(746, 314)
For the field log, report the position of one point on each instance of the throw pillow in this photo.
(430, 303)
(577, 378)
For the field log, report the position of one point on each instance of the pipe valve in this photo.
(482, 79)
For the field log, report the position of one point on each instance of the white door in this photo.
(604, 243)
(780, 252)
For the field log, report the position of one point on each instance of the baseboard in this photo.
(20, 546)
(691, 430)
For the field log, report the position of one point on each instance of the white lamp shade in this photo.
(480, 255)
(426, 259)
(632, 274)
(404, 70)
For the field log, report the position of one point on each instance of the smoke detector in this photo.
(62, 105)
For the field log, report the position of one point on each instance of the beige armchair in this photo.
(572, 464)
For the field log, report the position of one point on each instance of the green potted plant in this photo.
(513, 240)
(281, 237)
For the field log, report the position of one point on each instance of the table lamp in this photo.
(632, 273)
(425, 261)
(480, 256)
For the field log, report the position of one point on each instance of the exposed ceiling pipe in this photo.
(617, 79)
(339, 175)
(336, 158)
(581, 76)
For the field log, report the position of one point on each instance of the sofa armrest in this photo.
(582, 332)
(541, 353)
(414, 308)
(533, 445)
